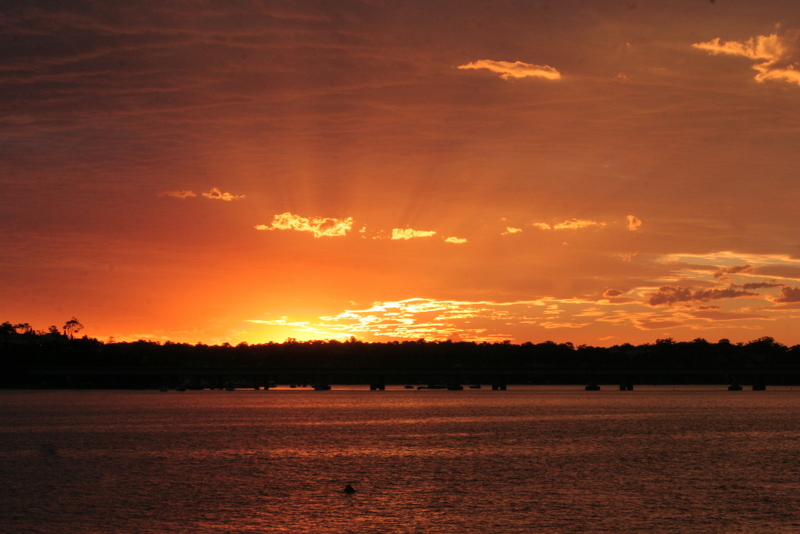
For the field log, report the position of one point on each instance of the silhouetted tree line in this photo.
(23, 349)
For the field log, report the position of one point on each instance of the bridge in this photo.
(378, 378)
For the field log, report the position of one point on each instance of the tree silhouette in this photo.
(72, 327)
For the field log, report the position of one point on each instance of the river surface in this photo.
(527, 460)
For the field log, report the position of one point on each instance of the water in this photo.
(535, 460)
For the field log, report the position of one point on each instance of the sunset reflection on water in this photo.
(533, 459)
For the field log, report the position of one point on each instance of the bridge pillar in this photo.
(593, 385)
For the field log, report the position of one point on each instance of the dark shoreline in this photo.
(56, 361)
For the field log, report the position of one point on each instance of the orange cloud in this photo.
(319, 226)
(216, 194)
(511, 230)
(777, 55)
(518, 69)
(577, 224)
(408, 233)
(634, 223)
(457, 240)
(177, 194)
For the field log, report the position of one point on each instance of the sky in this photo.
(597, 172)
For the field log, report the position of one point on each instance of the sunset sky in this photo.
(598, 172)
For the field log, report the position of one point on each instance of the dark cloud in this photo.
(612, 293)
(669, 295)
(761, 285)
(732, 270)
(789, 294)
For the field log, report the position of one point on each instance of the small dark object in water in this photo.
(349, 489)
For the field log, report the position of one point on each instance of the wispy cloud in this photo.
(409, 233)
(456, 240)
(213, 194)
(701, 319)
(177, 194)
(762, 285)
(318, 226)
(518, 69)
(551, 325)
(719, 315)
(777, 55)
(634, 223)
(735, 269)
(571, 224)
(216, 194)
(578, 224)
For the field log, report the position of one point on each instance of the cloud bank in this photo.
(669, 295)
